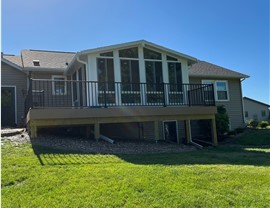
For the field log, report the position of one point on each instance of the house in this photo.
(130, 90)
(227, 88)
(256, 110)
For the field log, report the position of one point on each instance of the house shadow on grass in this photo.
(236, 155)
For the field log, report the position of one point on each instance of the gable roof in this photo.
(190, 59)
(13, 61)
(256, 101)
(48, 60)
(205, 69)
(17, 60)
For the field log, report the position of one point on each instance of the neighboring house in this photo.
(134, 90)
(255, 110)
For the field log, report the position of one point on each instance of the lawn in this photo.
(228, 176)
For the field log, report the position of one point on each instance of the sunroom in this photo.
(140, 81)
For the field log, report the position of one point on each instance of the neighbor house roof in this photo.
(190, 59)
(256, 101)
(205, 69)
(39, 60)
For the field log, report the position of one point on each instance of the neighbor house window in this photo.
(263, 113)
(59, 85)
(246, 114)
(220, 88)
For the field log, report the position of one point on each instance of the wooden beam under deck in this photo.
(63, 117)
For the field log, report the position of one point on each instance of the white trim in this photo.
(215, 88)
(15, 99)
(176, 123)
(53, 87)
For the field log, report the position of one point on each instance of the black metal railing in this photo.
(51, 93)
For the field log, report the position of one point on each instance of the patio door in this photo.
(170, 131)
(8, 106)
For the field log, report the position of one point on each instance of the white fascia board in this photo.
(143, 43)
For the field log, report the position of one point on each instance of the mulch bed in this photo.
(83, 145)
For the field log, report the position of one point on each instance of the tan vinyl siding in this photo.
(12, 76)
(58, 100)
(234, 105)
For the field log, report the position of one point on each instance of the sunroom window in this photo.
(129, 53)
(149, 54)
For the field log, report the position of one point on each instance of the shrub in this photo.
(239, 130)
(230, 133)
(253, 123)
(263, 124)
(222, 120)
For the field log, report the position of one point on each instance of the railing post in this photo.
(105, 95)
(213, 95)
(30, 92)
(164, 94)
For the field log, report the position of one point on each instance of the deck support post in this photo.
(156, 124)
(214, 132)
(97, 131)
(188, 131)
(33, 131)
(88, 131)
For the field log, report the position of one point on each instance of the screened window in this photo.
(105, 74)
(154, 74)
(129, 53)
(107, 54)
(246, 114)
(263, 113)
(170, 58)
(175, 76)
(130, 74)
(149, 54)
(59, 85)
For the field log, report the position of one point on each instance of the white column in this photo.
(92, 76)
(165, 74)
(142, 74)
(117, 76)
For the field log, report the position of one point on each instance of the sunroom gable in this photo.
(142, 43)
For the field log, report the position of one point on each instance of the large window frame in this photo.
(216, 90)
(61, 79)
(130, 87)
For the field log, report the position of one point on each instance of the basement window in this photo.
(36, 63)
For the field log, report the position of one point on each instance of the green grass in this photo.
(214, 177)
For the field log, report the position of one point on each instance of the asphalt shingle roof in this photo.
(13, 59)
(205, 69)
(47, 59)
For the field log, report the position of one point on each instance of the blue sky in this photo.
(230, 33)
